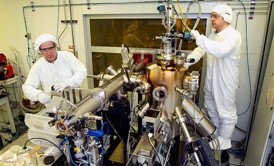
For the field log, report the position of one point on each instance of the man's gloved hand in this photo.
(195, 34)
(186, 65)
(43, 98)
(60, 86)
(189, 61)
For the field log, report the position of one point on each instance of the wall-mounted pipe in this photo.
(72, 31)
(261, 2)
(133, 2)
(257, 7)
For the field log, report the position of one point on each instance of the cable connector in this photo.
(150, 135)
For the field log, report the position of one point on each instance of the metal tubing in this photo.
(183, 125)
(98, 97)
(204, 125)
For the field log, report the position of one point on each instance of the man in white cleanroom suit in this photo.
(223, 49)
(59, 69)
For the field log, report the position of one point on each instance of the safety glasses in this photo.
(49, 49)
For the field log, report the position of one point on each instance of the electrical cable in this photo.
(25, 145)
(71, 159)
(19, 77)
(26, 28)
(241, 130)
(30, 56)
(240, 144)
(238, 154)
(199, 14)
(58, 18)
(183, 19)
(149, 141)
(167, 156)
(102, 129)
(66, 25)
(19, 72)
(131, 118)
(247, 61)
(17, 134)
(14, 94)
(128, 162)
(114, 129)
(180, 9)
(72, 31)
(185, 162)
(105, 141)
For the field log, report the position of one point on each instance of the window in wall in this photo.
(102, 60)
(107, 35)
(139, 33)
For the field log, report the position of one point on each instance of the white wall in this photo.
(44, 20)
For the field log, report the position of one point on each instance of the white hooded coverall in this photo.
(65, 68)
(223, 51)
